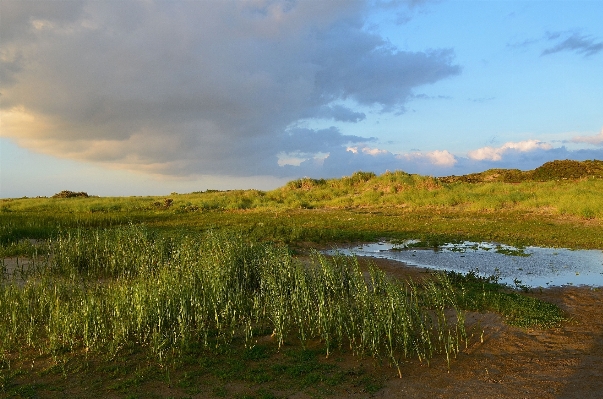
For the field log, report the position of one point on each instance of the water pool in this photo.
(530, 266)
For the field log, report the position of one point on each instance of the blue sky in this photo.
(136, 98)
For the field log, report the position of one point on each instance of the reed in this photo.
(104, 290)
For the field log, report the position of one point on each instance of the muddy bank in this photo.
(565, 362)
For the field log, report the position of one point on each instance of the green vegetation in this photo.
(484, 294)
(104, 291)
(550, 189)
(555, 170)
(70, 194)
(360, 207)
(267, 373)
(181, 288)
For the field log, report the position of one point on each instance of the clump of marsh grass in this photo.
(106, 289)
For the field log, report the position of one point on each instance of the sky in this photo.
(153, 97)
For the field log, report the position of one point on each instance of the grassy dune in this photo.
(541, 190)
(558, 204)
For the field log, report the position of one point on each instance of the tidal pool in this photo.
(530, 266)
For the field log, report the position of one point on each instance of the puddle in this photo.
(532, 266)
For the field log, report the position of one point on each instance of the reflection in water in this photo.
(532, 266)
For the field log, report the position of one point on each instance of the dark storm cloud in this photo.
(338, 113)
(17, 15)
(313, 141)
(16, 18)
(581, 44)
(197, 87)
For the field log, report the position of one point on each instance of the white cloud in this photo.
(525, 155)
(441, 158)
(373, 151)
(437, 157)
(367, 150)
(597, 139)
(496, 154)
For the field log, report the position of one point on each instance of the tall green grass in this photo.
(104, 290)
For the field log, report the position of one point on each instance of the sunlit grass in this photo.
(392, 189)
(104, 290)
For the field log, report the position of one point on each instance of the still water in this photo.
(530, 266)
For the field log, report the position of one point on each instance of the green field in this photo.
(194, 290)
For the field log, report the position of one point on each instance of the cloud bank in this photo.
(524, 155)
(594, 140)
(187, 88)
(496, 154)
